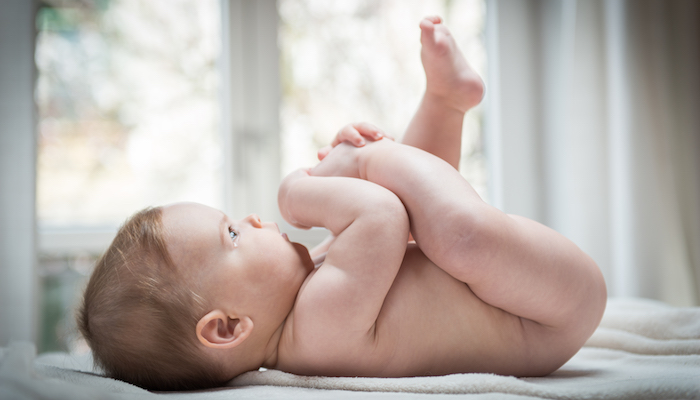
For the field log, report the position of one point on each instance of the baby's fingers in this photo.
(323, 152)
(348, 134)
(370, 131)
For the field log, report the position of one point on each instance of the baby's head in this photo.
(186, 298)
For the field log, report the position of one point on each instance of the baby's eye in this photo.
(232, 233)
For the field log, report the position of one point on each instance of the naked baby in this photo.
(419, 276)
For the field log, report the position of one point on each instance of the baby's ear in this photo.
(218, 330)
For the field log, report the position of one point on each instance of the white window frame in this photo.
(250, 106)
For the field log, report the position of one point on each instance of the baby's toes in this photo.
(427, 28)
(434, 19)
(436, 42)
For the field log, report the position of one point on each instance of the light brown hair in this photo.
(139, 317)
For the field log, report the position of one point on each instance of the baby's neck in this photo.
(270, 356)
(255, 352)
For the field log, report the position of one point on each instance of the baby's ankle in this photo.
(463, 96)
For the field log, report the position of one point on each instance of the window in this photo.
(146, 102)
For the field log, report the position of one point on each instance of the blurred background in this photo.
(590, 124)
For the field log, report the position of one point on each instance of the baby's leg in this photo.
(452, 88)
(511, 263)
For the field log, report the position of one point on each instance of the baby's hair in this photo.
(139, 316)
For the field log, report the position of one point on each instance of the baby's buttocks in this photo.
(434, 324)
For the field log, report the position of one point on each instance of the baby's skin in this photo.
(477, 290)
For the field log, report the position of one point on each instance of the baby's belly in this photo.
(433, 324)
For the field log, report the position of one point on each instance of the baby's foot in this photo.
(450, 78)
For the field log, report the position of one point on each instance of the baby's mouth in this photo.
(284, 235)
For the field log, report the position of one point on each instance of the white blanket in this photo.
(642, 350)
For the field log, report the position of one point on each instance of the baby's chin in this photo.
(304, 256)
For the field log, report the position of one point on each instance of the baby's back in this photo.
(430, 324)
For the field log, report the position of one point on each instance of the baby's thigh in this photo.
(454, 241)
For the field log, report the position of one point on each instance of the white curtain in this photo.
(593, 128)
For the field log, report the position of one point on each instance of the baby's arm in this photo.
(341, 301)
(357, 134)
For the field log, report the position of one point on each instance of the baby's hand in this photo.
(341, 160)
(349, 161)
(354, 134)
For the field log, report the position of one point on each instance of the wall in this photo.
(18, 316)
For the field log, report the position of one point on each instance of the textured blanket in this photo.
(642, 350)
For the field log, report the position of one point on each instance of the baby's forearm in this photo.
(332, 202)
(370, 226)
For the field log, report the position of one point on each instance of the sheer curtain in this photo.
(593, 128)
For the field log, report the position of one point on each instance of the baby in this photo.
(419, 276)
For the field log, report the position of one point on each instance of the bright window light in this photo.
(127, 94)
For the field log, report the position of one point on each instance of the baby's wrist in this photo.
(373, 150)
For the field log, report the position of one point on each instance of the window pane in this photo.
(127, 94)
(359, 60)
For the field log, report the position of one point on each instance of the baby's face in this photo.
(245, 265)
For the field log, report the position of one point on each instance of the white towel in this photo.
(642, 350)
(648, 327)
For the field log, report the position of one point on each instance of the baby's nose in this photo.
(254, 220)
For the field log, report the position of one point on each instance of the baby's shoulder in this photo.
(306, 349)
